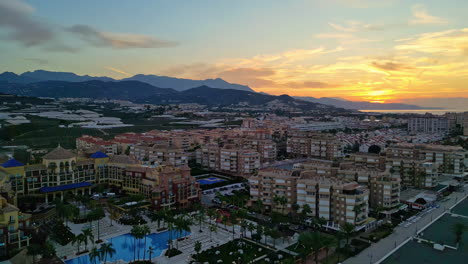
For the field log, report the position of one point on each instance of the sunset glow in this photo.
(357, 50)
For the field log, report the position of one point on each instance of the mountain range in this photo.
(140, 92)
(155, 80)
(180, 84)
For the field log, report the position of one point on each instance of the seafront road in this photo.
(378, 251)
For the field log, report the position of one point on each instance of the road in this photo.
(377, 251)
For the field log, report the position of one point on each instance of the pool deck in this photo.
(401, 235)
(222, 236)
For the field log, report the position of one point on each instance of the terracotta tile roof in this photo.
(59, 154)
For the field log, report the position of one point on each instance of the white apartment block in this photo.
(428, 124)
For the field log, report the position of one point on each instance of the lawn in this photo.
(236, 250)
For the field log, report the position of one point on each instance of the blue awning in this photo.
(65, 187)
(12, 163)
(99, 155)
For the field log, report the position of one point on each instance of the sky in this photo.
(361, 50)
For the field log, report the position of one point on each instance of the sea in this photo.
(418, 111)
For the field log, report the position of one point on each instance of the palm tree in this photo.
(260, 206)
(198, 247)
(242, 215)
(233, 219)
(305, 211)
(213, 229)
(200, 216)
(135, 232)
(311, 242)
(328, 242)
(266, 231)
(157, 216)
(251, 227)
(274, 234)
(150, 252)
(81, 238)
(88, 233)
(146, 230)
(107, 250)
(348, 230)
(95, 254)
(34, 250)
(211, 213)
(458, 229)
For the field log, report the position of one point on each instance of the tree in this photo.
(48, 251)
(348, 230)
(280, 201)
(146, 230)
(305, 211)
(211, 213)
(157, 216)
(107, 249)
(213, 228)
(260, 207)
(136, 233)
(150, 252)
(198, 247)
(200, 216)
(78, 240)
(328, 242)
(310, 242)
(233, 220)
(274, 234)
(374, 149)
(88, 233)
(95, 254)
(458, 229)
(34, 250)
(251, 227)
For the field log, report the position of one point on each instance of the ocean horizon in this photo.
(418, 111)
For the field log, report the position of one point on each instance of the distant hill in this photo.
(361, 105)
(185, 84)
(125, 90)
(158, 81)
(41, 75)
(14, 78)
(141, 92)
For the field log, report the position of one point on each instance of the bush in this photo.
(61, 233)
(173, 252)
(132, 220)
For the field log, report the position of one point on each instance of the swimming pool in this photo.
(125, 246)
(210, 180)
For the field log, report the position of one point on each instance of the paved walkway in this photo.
(401, 234)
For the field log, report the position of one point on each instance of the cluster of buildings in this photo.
(313, 144)
(63, 171)
(343, 190)
(238, 152)
(429, 123)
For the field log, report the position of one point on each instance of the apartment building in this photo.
(415, 161)
(159, 154)
(428, 124)
(87, 142)
(239, 161)
(333, 199)
(271, 182)
(228, 159)
(62, 172)
(367, 160)
(313, 144)
(265, 147)
(14, 227)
